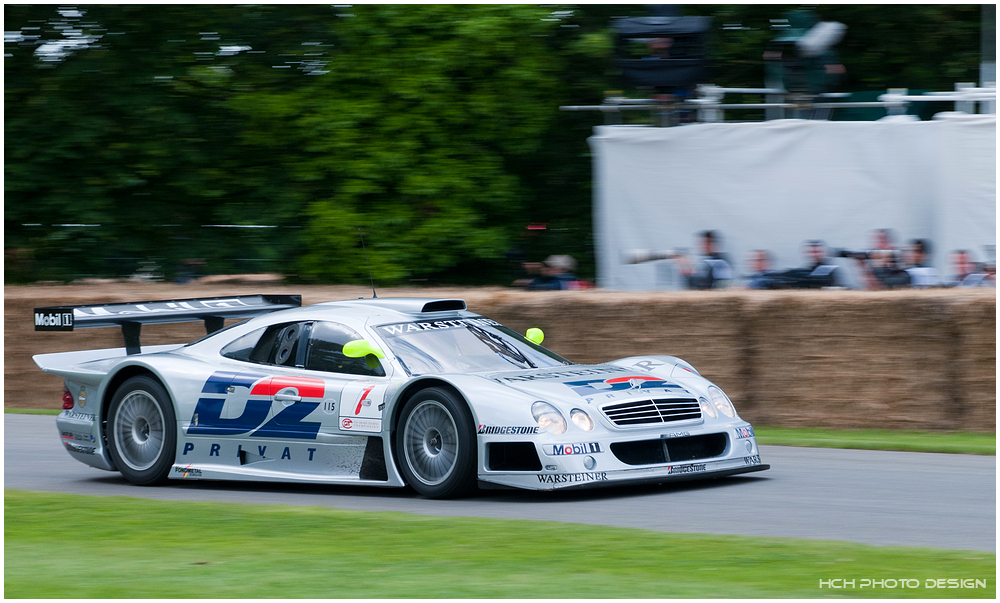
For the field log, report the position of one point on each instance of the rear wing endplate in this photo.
(132, 315)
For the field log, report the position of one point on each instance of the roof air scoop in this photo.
(444, 305)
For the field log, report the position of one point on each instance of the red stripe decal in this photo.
(627, 379)
(309, 387)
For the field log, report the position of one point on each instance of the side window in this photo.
(281, 345)
(325, 353)
(242, 348)
(277, 344)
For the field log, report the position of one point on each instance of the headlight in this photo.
(548, 418)
(721, 401)
(707, 408)
(581, 419)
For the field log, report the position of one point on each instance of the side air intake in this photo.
(444, 305)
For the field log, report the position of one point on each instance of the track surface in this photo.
(871, 497)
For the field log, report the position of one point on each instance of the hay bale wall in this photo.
(904, 360)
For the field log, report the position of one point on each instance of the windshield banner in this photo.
(405, 328)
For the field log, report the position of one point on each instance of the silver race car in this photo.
(380, 392)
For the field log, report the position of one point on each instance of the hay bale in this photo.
(850, 361)
(904, 359)
(976, 362)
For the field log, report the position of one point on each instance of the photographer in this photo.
(921, 275)
(713, 271)
(816, 274)
(880, 267)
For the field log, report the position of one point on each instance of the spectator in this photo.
(816, 274)
(556, 273)
(713, 270)
(760, 264)
(917, 256)
(880, 268)
(966, 272)
(886, 271)
(990, 280)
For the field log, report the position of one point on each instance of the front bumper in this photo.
(582, 467)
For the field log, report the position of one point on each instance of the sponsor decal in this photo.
(370, 425)
(188, 471)
(695, 468)
(566, 373)
(287, 452)
(744, 432)
(83, 437)
(162, 307)
(405, 328)
(751, 460)
(571, 449)
(506, 430)
(53, 319)
(632, 383)
(79, 449)
(77, 416)
(676, 434)
(207, 418)
(648, 365)
(364, 401)
(572, 478)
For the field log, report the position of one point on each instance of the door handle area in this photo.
(287, 398)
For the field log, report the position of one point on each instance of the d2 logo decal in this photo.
(590, 387)
(208, 420)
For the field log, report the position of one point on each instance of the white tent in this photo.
(774, 184)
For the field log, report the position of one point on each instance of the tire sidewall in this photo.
(159, 471)
(463, 476)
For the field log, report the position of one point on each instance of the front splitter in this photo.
(615, 480)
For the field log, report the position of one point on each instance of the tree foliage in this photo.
(433, 129)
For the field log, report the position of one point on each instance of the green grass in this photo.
(33, 411)
(962, 442)
(70, 546)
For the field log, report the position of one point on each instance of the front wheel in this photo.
(142, 434)
(436, 444)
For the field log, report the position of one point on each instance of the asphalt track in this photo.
(871, 497)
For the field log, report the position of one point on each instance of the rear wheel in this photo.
(142, 430)
(436, 444)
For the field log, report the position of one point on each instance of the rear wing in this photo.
(131, 316)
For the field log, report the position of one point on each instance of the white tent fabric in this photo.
(772, 185)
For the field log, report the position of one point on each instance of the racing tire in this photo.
(142, 431)
(436, 444)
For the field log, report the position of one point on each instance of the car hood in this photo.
(589, 384)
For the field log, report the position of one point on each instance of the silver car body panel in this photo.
(239, 420)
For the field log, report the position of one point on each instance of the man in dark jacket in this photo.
(712, 271)
(816, 274)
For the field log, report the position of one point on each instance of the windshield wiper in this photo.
(501, 347)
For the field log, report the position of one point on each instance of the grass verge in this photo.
(123, 547)
(33, 411)
(962, 442)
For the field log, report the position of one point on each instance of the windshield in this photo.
(463, 345)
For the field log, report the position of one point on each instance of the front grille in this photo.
(653, 452)
(638, 412)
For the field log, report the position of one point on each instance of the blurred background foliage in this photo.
(155, 130)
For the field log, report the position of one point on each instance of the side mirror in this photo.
(535, 336)
(361, 347)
